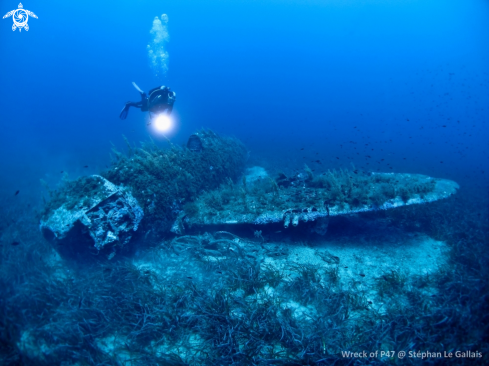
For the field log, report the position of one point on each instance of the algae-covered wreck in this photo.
(206, 183)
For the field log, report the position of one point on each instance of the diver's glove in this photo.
(124, 111)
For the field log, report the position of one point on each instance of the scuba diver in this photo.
(160, 100)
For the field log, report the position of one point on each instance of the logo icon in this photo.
(20, 17)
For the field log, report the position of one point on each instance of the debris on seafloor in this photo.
(156, 190)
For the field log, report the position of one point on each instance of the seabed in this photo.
(206, 280)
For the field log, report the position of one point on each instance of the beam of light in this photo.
(162, 122)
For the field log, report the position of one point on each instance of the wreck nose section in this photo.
(100, 215)
(95, 216)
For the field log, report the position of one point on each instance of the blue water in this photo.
(390, 86)
(341, 79)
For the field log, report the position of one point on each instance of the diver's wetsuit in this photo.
(160, 100)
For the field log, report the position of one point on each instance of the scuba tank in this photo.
(160, 100)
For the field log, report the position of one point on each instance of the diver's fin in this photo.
(137, 87)
(124, 112)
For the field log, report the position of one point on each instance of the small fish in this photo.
(189, 277)
(16, 193)
(302, 148)
(86, 166)
(277, 232)
(61, 171)
(219, 272)
(362, 275)
(15, 243)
